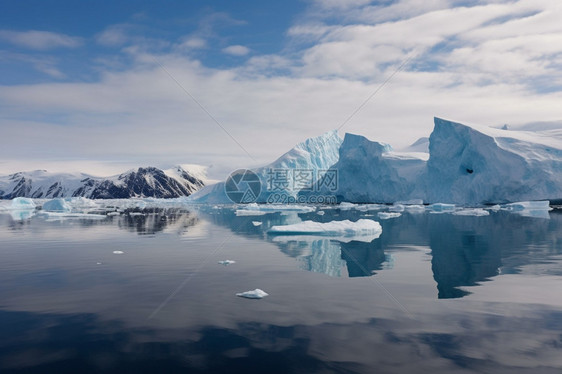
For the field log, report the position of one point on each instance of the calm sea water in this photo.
(435, 293)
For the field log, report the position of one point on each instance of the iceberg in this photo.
(344, 228)
(315, 155)
(57, 205)
(254, 294)
(371, 172)
(471, 165)
(22, 203)
(466, 165)
(536, 209)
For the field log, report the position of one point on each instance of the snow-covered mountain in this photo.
(141, 182)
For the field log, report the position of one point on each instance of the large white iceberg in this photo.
(466, 165)
(371, 172)
(478, 165)
(457, 164)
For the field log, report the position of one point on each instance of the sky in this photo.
(102, 86)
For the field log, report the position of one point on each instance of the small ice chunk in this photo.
(22, 203)
(256, 223)
(254, 294)
(245, 213)
(118, 252)
(536, 209)
(346, 206)
(368, 207)
(110, 214)
(396, 208)
(388, 215)
(495, 208)
(528, 205)
(320, 212)
(414, 209)
(477, 212)
(57, 205)
(442, 208)
(227, 262)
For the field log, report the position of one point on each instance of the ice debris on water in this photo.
(227, 262)
(389, 215)
(118, 252)
(254, 294)
(477, 212)
(256, 223)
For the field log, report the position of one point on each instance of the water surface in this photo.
(434, 293)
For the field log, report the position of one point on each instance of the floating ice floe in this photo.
(118, 252)
(345, 228)
(254, 294)
(249, 213)
(477, 212)
(256, 223)
(346, 206)
(320, 212)
(111, 214)
(368, 207)
(227, 262)
(389, 215)
(536, 209)
(57, 205)
(414, 209)
(52, 216)
(396, 208)
(442, 208)
(22, 203)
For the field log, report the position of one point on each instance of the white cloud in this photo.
(484, 64)
(236, 50)
(193, 43)
(112, 36)
(40, 40)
